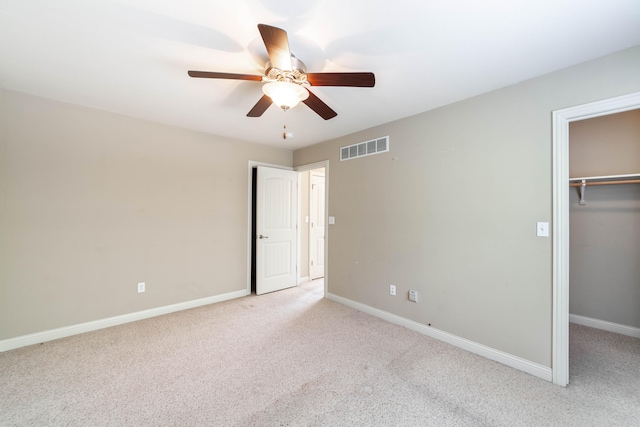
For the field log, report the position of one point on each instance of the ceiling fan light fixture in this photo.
(284, 94)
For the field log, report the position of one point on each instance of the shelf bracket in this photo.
(583, 189)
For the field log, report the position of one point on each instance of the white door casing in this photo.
(316, 226)
(276, 229)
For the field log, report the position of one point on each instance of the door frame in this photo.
(560, 233)
(253, 164)
(322, 164)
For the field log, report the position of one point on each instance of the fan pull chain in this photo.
(285, 134)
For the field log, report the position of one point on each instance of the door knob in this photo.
(263, 237)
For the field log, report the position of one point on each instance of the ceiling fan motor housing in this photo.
(296, 75)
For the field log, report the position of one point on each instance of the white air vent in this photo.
(367, 148)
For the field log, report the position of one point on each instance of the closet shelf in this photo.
(583, 182)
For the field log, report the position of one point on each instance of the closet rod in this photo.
(606, 177)
(629, 181)
(601, 180)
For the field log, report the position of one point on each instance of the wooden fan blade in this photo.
(277, 44)
(342, 79)
(260, 107)
(214, 75)
(319, 107)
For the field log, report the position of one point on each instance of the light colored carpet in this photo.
(292, 358)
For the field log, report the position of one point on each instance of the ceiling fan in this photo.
(286, 79)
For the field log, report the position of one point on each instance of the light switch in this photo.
(542, 229)
(332, 220)
(306, 219)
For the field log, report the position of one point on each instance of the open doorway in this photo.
(313, 216)
(561, 243)
(311, 186)
(604, 217)
(310, 216)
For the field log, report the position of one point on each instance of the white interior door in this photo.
(276, 206)
(316, 227)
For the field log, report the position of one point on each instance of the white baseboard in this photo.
(303, 280)
(67, 331)
(519, 363)
(604, 325)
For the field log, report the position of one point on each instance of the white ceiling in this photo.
(132, 56)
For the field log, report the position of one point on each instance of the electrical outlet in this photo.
(392, 289)
(413, 296)
(141, 287)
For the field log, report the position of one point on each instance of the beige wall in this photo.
(605, 233)
(93, 203)
(451, 210)
(607, 145)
